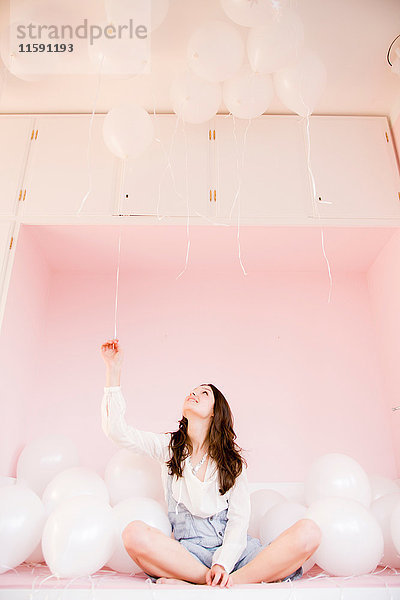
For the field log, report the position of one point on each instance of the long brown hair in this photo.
(220, 440)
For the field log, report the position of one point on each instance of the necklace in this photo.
(197, 467)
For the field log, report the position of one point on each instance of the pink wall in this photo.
(302, 376)
(20, 349)
(384, 289)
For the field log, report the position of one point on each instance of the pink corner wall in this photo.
(384, 290)
(21, 350)
(303, 377)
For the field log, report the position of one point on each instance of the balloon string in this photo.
(315, 201)
(168, 167)
(90, 139)
(117, 284)
(187, 203)
(239, 171)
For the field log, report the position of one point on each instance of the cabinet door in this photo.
(171, 178)
(354, 167)
(58, 173)
(15, 140)
(269, 165)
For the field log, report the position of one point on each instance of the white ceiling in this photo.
(352, 37)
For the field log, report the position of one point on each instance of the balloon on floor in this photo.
(352, 540)
(147, 510)
(78, 537)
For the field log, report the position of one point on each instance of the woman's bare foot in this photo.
(171, 580)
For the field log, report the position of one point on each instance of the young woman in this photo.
(206, 491)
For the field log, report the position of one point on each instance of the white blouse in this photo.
(201, 498)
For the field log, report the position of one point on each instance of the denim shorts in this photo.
(201, 536)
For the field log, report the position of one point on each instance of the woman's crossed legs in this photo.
(165, 557)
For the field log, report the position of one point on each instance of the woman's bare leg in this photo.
(283, 556)
(160, 555)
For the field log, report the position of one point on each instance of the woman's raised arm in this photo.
(113, 409)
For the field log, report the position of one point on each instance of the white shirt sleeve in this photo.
(113, 407)
(235, 537)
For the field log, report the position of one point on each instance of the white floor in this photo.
(35, 582)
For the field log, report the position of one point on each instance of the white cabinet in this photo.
(352, 160)
(264, 170)
(7, 247)
(49, 162)
(172, 177)
(59, 168)
(354, 166)
(16, 134)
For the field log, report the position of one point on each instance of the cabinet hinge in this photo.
(387, 137)
(11, 242)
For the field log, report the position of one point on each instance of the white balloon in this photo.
(275, 44)
(261, 501)
(22, 517)
(56, 14)
(395, 528)
(147, 510)
(74, 482)
(251, 14)
(215, 51)
(247, 94)
(380, 486)
(5, 480)
(382, 509)
(120, 58)
(193, 99)
(120, 11)
(352, 541)
(278, 518)
(78, 537)
(128, 130)
(300, 86)
(339, 475)
(26, 65)
(44, 457)
(128, 474)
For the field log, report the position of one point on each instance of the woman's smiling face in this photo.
(199, 402)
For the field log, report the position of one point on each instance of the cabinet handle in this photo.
(11, 242)
(215, 195)
(210, 195)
